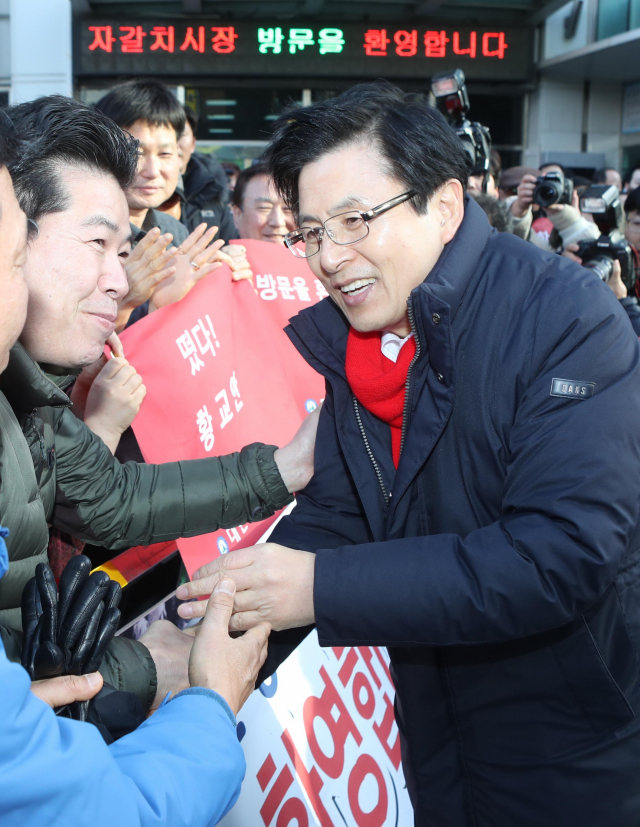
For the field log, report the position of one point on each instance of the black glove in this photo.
(67, 632)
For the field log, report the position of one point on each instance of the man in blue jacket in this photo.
(184, 766)
(475, 500)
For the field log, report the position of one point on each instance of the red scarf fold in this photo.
(377, 382)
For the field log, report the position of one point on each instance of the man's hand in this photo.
(170, 649)
(615, 282)
(273, 584)
(229, 667)
(195, 258)
(151, 261)
(240, 267)
(524, 200)
(295, 460)
(570, 251)
(114, 400)
(67, 689)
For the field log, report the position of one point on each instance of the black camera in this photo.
(603, 203)
(553, 188)
(452, 99)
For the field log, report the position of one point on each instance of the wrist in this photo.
(109, 434)
(291, 469)
(519, 209)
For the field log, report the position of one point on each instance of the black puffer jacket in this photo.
(500, 562)
(205, 182)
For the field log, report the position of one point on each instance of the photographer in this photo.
(632, 218)
(620, 277)
(566, 219)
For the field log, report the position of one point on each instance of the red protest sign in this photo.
(216, 371)
(285, 285)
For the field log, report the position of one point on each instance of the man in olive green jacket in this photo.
(53, 470)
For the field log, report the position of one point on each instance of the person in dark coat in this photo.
(474, 505)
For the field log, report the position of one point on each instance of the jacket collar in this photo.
(321, 331)
(458, 263)
(28, 385)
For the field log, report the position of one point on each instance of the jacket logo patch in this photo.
(572, 388)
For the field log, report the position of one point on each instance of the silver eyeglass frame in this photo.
(294, 237)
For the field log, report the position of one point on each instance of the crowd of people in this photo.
(77, 259)
(508, 200)
(471, 503)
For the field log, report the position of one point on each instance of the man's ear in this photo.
(449, 205)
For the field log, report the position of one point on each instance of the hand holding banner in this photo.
(218, 373)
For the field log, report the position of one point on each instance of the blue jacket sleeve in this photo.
(569, 507)
(183, 766)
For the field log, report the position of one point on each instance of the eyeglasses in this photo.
(343, 229)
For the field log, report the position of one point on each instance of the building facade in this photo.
(552, 81)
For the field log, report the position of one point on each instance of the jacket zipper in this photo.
(356, 408)
(374, 462)
(405, 410)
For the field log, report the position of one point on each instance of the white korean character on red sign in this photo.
(233, 534)
(225, 409)
(321, 293)
(284, 286)
(204, 421)
(208, 334)
(188, 350)
(302, 289)
(267, 287)
(233, 385)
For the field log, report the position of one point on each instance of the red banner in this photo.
(220, 374)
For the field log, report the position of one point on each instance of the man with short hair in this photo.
(258, 210)
(609, 176)
(470, 509)
(631, 179)
(632, 218)
(70, 179)
(150, 112)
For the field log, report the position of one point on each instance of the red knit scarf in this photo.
(377, 382)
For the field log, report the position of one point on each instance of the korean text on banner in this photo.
(285, 285)
(216, 368)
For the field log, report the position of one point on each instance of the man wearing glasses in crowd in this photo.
(471, 509)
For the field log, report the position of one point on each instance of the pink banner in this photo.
(220, 374)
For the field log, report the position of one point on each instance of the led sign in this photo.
(115, 47)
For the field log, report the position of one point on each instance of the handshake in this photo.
(67, 631)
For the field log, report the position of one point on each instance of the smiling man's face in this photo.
(75, 271)
(158, 167)
(371, 280)
(264, 215)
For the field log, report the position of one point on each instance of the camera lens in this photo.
(546, 194)
(602, 266)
